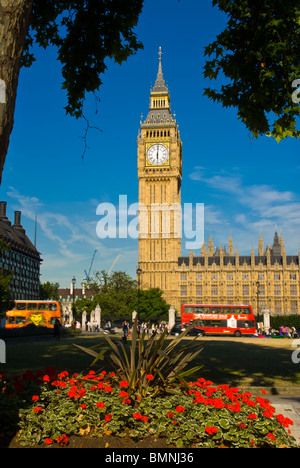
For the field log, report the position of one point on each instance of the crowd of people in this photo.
(284, 330)
(143, 327)
(147, 327)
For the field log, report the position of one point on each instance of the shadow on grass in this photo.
(231, 362)
(228, 361)
(239, 363)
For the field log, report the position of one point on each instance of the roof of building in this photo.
(275, 252)
(15, 235)
(162, 113)
(66, 293)
(160, 85)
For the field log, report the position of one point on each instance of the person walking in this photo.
(125, 327)
(57, 327)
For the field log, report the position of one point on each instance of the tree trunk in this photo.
(14, 24)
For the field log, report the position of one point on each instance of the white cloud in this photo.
(252, 208)
(67, 242)
(57, 227)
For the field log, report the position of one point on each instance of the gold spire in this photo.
(210, 247)
(260, 246)
(230, 246)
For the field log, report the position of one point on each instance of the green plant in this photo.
(152, 367)
(204, 415)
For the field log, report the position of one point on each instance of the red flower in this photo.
(251, 403)
(108, 388)
(124, 383)
(271, 436)
(242, 425)
(170, 414)
(48, 441)
(268, 414)
(218, 403)
(72, 393)
(285, 422)
(138, 416)
(108, 417)
(149, 377)
(35, 398)
(46, 378)
(82, 392)
(211, 430)
(123, 394)
(252, 416)
(37, 409)
(62, 440)
(100, 404)
(83, 406)
(58, 383)
(127, 401)
(179, 409)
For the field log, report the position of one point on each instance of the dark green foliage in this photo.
(289, 320)
(6, 301)
(152, 366)
(49, 291)
(86, 33)
(259, 53)
(118, 297)
(152, 305)
(6, 278)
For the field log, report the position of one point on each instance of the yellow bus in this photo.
(38, 313)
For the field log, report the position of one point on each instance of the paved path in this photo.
(289, 406)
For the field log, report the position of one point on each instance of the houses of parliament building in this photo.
(266, 279)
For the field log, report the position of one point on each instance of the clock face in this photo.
(157, 154)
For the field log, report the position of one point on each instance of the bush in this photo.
(289, 320)
(151, 356)
(202, 415)
(144, 393)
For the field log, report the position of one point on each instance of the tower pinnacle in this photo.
(160, 86)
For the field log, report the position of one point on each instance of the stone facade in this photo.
(21, 257)
(159, 193)
(269, 279)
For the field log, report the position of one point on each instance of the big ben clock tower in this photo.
(159, 172)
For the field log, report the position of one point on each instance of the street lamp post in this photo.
(73, 307)
(139, 272)
(257, 307)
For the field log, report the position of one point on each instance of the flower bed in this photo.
(52, 407)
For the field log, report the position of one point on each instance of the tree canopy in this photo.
(258, 57)
(119, 296)
(49, 291)
(85, 32)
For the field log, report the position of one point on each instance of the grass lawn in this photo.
(235, 361)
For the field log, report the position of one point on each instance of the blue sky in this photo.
(247, 186)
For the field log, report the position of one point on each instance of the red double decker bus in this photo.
(213, 319)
